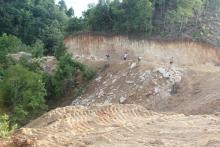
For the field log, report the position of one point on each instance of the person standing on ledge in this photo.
(171, 61)
(139, 59)
(107, 56)
(125, 56)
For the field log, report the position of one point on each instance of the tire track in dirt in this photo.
(119, 125)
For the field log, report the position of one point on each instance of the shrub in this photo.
(37, 49)
(67, 69)
(55, 84)
(23, 92)
(5, 128)
(9, 44)
(88, 73)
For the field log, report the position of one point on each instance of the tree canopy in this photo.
(34, 20)
(23, 92)
(37, 27)
(146, 17)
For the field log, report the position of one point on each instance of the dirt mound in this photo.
(118, 125)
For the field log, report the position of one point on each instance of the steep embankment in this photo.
(196, 93)
(185, 52)
(150, 83)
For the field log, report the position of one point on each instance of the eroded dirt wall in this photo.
(184, 52)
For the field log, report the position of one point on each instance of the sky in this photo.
(79, 5)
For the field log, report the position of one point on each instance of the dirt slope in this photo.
(197, 92)
(131, 103)
(196, 66)
(97, 46)
(119, 125)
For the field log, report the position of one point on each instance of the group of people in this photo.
(139, 58)
(124, 57)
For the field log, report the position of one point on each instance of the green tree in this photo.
(99, 17)
(70, 12)
(9, 44)
(187, 9)
(35, 20)
(67, 70)
(75, 25)
(56, 84)
(138, 15)
(127, 16)
(62, 5)
(181, 13)
(37, 49)
(23, 92)
(118, 16)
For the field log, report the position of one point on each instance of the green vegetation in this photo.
(36, 27)
(5, 128)
(163, 18)
(34, 20)
(23, 92)
(67, 69)
(9, 44)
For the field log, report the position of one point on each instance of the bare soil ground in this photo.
(190, 117)
(119, 125)
(197, 93)
(149, 103)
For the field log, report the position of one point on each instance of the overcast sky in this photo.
(79, 5)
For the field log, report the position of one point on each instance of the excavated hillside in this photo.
(189, 86)
(95, 47)
(131, 103)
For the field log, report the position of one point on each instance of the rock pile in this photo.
(132, 84)
(170, 73)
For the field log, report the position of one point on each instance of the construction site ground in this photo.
(131, 103)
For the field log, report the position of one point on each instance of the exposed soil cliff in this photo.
(185, 52)
(152, 82)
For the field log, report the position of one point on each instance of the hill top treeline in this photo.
(193, 19)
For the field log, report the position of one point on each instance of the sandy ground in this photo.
(136, 104)
(119, 125)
